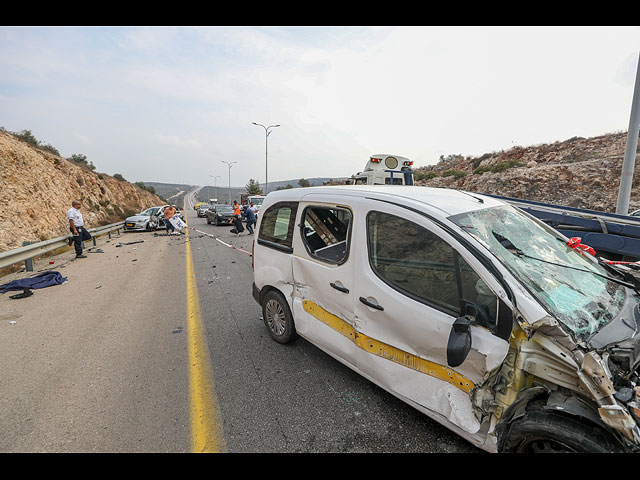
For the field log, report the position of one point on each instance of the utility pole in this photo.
(267, 131)
(230, 164)
(628, 165)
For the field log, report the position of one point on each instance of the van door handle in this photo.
(339, 287)
(371, 304)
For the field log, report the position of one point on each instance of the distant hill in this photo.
(173, 192)
(312, 181)
(226, 194)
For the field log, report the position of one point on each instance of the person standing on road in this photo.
(251, 219)
(236, 208)
(76, 225)
(169, 212)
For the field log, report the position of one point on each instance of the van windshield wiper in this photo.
(506, 243)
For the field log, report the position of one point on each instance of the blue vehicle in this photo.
(613, 236)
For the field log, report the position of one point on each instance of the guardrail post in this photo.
(28, 263)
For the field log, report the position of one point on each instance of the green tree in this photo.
(27, 136)
(253, 187)
(304, 183)
(81, 160)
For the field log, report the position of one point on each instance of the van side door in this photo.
(416, 280)
(323, 273)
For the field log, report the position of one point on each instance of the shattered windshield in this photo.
(567, 283)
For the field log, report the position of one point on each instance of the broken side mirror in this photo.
(459, 341)
(480, 315)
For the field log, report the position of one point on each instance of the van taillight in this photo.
(253, 244)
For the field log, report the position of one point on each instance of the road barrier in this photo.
(29, 250)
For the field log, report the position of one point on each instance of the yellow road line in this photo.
(206, 426)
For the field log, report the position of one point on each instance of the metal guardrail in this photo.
(28, 251)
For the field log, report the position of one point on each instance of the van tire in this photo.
(277, 317)
(543, 431)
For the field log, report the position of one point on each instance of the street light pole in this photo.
(267, 131)
(230, 164)
(629, 161)
(215, 180)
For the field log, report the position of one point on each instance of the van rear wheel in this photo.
(278, 318)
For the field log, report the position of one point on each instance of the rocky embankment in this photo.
(37, 187)
(579, 172)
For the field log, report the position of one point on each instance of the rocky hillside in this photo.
(37, 187)
(579, 172)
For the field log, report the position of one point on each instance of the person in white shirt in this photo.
(76, 225)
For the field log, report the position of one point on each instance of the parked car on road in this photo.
(202, 210)
(464, 306)
(220, 215)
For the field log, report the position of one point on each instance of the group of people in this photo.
(80, 234)
(250, 213)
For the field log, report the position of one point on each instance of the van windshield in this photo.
(568, 284)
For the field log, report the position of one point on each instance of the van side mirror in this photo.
(459, 341)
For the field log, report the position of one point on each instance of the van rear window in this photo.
(278, 222)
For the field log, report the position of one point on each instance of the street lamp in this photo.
(215, 179)
(267, 131)
(230, 164)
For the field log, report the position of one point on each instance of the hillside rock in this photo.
(579, 172)
(37, 187)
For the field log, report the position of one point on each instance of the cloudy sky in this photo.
(169, 105)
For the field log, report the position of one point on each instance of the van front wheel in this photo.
(277, 317)
(542, 431)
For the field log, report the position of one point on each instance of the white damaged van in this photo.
(470, 310)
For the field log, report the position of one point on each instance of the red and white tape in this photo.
(224, 243)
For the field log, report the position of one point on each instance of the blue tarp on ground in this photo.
(45, 279)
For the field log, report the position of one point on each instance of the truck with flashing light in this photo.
(384, 169)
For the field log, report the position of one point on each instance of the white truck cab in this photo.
(463, 306)
(383, 169)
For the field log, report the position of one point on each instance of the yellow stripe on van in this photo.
(389, 352)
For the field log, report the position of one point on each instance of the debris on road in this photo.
(120, 244)
(25, 293)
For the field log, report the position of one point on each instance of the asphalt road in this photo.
(290, 398)
(102, 363)
(99, 364)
